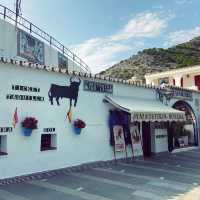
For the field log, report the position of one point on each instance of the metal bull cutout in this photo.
(70, 92)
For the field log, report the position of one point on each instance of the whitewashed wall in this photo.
(24, 155)
(8, 47)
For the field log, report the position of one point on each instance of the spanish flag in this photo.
(69, 115)
(15, 118)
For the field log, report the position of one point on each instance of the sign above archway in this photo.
(165, 94)
(181, 94)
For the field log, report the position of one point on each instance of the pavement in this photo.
(162, 177)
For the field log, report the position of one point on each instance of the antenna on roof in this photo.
(18, 10)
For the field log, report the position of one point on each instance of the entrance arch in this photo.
(187, 128)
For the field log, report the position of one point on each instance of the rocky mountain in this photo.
(156, 60)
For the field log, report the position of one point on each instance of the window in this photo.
(48, 142)
(182, 82)
(3, 145)
(197, 81)
(174, 82)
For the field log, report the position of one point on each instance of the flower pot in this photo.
(77, 130)
(27, 131)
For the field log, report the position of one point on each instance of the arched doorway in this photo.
(184, 133)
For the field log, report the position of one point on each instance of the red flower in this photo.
(78, 123)
(30, 122)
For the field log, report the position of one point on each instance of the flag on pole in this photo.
(69, 115)
(15, 118)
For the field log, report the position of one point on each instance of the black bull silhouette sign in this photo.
(70, 92)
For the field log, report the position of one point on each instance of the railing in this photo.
(23, 23)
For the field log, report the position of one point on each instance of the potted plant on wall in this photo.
(78, 125)
(28, 125)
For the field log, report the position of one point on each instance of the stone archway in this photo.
(186, 130)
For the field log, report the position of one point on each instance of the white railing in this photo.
(24, 24)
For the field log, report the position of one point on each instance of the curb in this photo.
(51, 173)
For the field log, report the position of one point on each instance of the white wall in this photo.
(8, 47)
(24, 155)
(8, 40)
(188, 81)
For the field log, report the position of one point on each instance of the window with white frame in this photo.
(3, 145)
(48, 142)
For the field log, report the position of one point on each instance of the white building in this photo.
(187, 77)
(27, 88)
(112, 110)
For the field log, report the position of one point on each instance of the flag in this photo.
(69, 115)
(15, 118)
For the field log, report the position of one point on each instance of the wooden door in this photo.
(197, 81)
(146, 137)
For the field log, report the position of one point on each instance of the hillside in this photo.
(157, 59)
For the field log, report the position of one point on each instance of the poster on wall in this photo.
(30, 48)
(62, 61)
(136, 140)
(119, 138)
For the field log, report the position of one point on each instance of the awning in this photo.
(146, 110)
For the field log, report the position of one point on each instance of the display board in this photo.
(62, 61)
(119, 138)
(30, 48)
(94, 86)
(136, 140)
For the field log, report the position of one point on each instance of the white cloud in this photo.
(181, 2)
(158, 7)
(181, 36)
(100, 53)
(144, 25)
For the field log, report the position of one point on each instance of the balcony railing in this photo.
(24, 24)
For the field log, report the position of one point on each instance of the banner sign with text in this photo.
(181, 94)
(94, 86)
(158, 117)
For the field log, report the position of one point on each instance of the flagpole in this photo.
(18, 9)
(15, 118)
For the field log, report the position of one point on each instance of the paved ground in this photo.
(164, 177)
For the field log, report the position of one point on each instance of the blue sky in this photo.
(103, 32)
